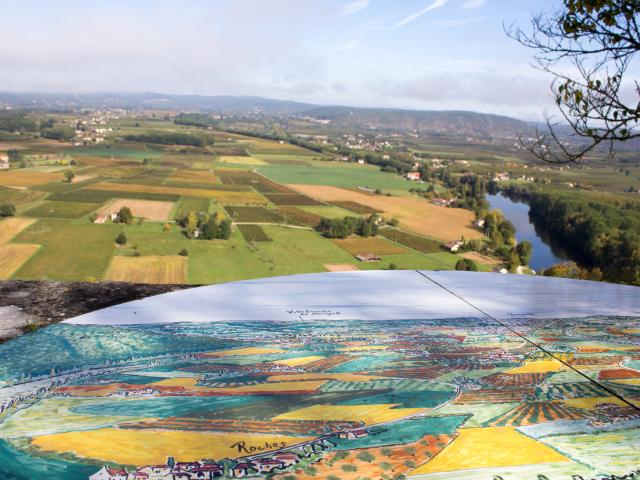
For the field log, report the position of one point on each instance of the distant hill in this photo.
(160, 101)
(457, 123)
(447, 123)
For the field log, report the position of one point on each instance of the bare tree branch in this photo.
(597, 40)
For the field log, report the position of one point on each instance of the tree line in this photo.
(606, 237)
(203, 226)
(195, 120)
(170, 138)
(343, 227)
(16, 121)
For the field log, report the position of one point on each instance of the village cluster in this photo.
(272, 462)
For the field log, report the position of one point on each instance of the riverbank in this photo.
(545, 251)
(599, 234)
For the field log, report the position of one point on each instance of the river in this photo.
(545, 253)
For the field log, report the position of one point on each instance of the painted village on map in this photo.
(462, 397)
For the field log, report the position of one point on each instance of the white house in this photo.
(106, 473)
(156, 472)
(453, 246)
(442, 202)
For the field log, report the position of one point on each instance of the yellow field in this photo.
(245, 351)
(295, 362)
(12, 256)
(415, 214)
(186, 382)
(147, 209)
(148, 269)
(240, 198)
(21, 178)
(363, 348)
(628, 381)
(82, 178)
(370, 414)
(482, 259)
(242, 160)
(189, 383)
(192, 176)
(590, 403)
(489, 447)
(10, 227)
(282, 387)
(340, 377)
(340, 267)
(538, 366)
(149, 447)
(266, 146)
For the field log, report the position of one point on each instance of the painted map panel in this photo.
(332, 376)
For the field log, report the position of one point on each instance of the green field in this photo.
(213, 261)
(53, 209)
(253, 233)
(193, 204)
(412, 261)
(130, 151)
(421, 244)
(291, 251)
(335, 174)
(61, 187)
(101, 196)
(196, 180)
(254, 215)
(71, 252)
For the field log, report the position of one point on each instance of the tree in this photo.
(466, 265)
(366, 456)
(121, 239)
(224, 229)
(14, 155)
(598, 39)
(125, 215)
(69, 175)
(210, 229)
(513, 260)
(524, 250)
(7, 210)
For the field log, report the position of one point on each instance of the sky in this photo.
(417, 54)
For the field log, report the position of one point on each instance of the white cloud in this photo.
(456, 22)
(490, 89)
(350, 45)
(470, 4)
(414, 16)
(354, 7)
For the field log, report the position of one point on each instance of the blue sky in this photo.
(421, 54)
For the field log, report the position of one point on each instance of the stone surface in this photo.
(25, 306)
